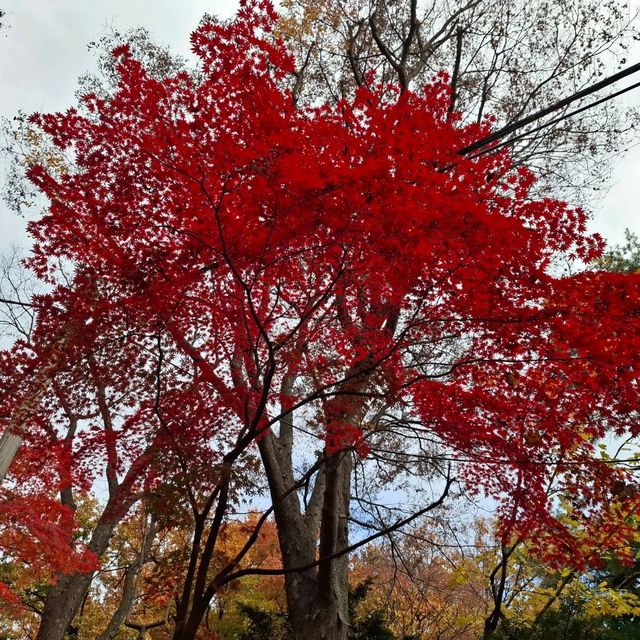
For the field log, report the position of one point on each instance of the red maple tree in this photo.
(244, 264)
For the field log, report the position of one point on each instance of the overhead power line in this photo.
(17, 303)
(549, 123)
(556, 106)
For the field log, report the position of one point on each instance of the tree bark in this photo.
(9, 445)
(188, 630)
(317, 599)
(329, 613)
(65, 597)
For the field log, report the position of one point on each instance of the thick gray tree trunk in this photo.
(65, 597)
(329, 613)
(317, 599)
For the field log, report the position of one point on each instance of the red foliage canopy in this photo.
(347, 248)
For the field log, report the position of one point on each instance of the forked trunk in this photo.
(317, 599)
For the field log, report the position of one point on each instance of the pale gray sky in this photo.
(43, 51)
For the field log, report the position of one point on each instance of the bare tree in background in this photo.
(17, 286)
(504, 58)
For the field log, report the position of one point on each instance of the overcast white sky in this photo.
(43, 50)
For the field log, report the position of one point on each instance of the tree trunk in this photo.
(317, 599)
(65, 597)
(189, 627)
(329, 614)
(9, 445)
(62, 603)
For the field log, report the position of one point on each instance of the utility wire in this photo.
(565, 116)
(632, 464)
(534, 117)
(18, 303)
